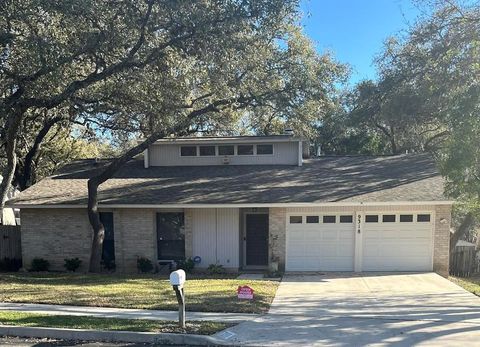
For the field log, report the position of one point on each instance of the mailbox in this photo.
(177, 278)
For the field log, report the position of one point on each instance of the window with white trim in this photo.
(226, 150)
(295, 219)
(207, 151)
(245, 149)
(188, 151)
(264, 149)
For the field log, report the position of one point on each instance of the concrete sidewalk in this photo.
(108, 312)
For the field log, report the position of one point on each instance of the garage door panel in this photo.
(320, 246)
(397, 246)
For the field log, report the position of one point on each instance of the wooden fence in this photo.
(463, 262)
(10, 242)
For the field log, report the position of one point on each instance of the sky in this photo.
(354, 30)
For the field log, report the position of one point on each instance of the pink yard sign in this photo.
(245, 292)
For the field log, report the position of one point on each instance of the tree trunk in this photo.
(24, 177)
(98, 228)
(92, 209)
(466, 224)
(12, 126)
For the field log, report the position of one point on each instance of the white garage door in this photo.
(318, 242)
(397, 242)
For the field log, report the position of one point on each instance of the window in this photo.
(188, 151)
(388, 218)
(329, 219)
(405, 218)
(346, 219)
(423, 218)
(207, 151)
(264, 149)
(108, 247)
(312, 219)
(170, 236)
(371, 218)
(245, 150)
(226, 150)
(295, 219)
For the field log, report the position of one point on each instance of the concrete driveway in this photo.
(376, 309)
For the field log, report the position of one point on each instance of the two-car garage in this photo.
(359, 241)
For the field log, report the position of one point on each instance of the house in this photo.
(249, 202)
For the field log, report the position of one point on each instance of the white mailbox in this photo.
(177, 278)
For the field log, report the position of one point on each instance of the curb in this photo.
(111, 336)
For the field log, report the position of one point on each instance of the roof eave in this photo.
(240, 205)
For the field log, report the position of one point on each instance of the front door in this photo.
(256, 239)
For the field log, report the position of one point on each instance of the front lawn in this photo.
(134, 291)
(77, 322)
(472, 284)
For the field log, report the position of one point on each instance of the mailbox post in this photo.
(177, 280)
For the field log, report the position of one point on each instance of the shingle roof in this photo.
(326, 179)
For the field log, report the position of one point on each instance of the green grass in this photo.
(79, 322)
(139, 291)
(472, 284)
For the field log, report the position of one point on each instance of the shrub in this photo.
(39, 264)
(10, 264)
(186, 265)
(144, 265)
(72, 264)
(215, 269)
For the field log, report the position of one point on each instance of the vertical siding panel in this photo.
(228, 236)
(204, 238)
(216, 236)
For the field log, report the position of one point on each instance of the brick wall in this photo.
(277, 236)
(135, 237)
(441, 246)
(56, 234)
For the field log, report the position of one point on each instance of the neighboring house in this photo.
(247, 203)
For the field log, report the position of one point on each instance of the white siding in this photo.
(216, 236)
(284, 153)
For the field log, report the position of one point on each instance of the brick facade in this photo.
(134, 237)
(441, 239)
(55, 234)
(277, 237)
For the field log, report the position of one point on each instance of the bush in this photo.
(39, 264)
(72, 264)
(10, 265)
(144, 265)
(186, 265)
(215, 269)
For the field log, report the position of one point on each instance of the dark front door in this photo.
(256, 233)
